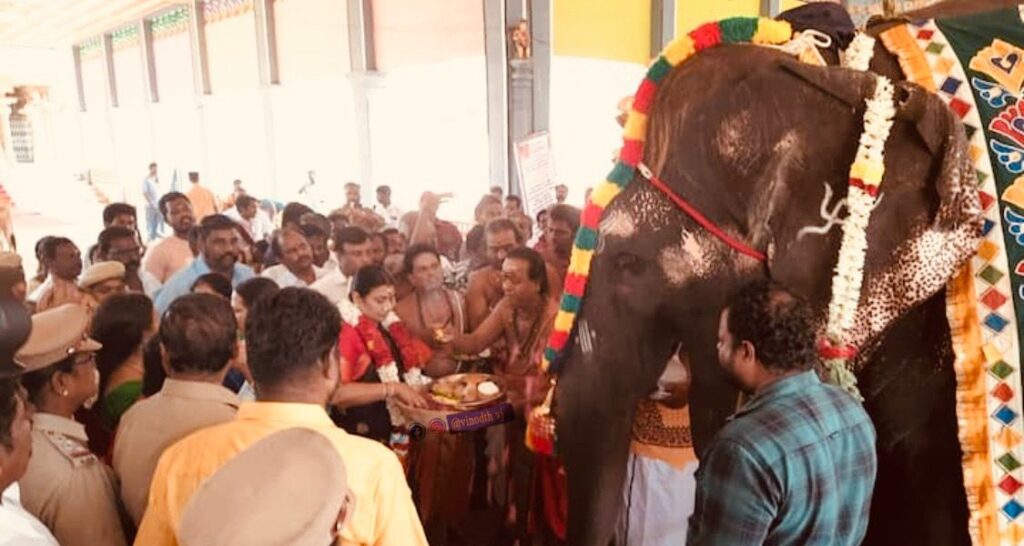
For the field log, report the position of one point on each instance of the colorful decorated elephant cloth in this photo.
(976, 64)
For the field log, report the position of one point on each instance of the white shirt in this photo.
(334, 286)
(259, 228)
(285, 279)
(331, 264)
(390, 214)
(17, 526)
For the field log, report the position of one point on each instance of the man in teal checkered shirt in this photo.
(796, 464)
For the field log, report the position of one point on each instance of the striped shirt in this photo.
(796, 465)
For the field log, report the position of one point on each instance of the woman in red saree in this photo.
(380, 361)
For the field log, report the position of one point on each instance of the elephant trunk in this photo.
(594, 406)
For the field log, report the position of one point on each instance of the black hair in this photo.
(245, 200)
(312, 230)
(119, 324)
(199, 334)
(541, 214)
(41, 268)
(499, 225)
(390, 231)
(193, 176)
(351, 185)
(256, 289)
(518, 200)
(153, 373)
(8, 410)
(151, 165)
(475, 239)
(113, 210)
(350, 235)
(384, 188)
(111, 234)
(215, 222)
(381, 237)
(35, 381)
(370, 277)
(165, 201)
(415, 251)
(292, 213)
(50, 246)
(487, 199)
(288, 333)
(568, 214)
(537, 269)
(219, 283)
(777, 323)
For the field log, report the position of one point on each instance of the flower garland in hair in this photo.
(866, 176)
(859, 53)
(736, 30)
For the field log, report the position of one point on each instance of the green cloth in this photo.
(738, 30)
(117, 401)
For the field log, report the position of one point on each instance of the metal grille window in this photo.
(23, 139)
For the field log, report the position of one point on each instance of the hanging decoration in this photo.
(170, 23)
(866, 175)
(218, 10)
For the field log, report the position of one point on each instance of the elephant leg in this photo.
(909, 387)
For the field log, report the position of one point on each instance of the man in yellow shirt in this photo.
(204, 202)
(291, 340)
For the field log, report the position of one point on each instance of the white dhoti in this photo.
(658, 495)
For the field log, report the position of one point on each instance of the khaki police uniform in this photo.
(66, 486)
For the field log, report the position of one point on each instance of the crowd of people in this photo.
(230, 320)
(164, 385)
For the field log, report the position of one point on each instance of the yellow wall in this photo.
(693, 13)
(790, 4)
(604, 29)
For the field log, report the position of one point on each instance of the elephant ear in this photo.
(926, 224)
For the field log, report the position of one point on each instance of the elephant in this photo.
(761, 145)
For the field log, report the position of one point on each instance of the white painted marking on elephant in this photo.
(731, 140)
(650, 208)
(673, 264)
(586, 338)
(830, 217)
(618, 223)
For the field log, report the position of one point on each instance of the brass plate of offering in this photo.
(467, 390)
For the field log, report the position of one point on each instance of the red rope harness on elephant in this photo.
(704, 222)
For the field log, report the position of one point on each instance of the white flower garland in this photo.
(388, 373)
(866, 175)
(858, 54)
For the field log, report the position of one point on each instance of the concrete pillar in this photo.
(771, 8)
(528, 79)
(663, 24)
(201, 79)
(540, 30)
(76, 52)
(495, 55)
(520, 112)
(365, 78)
(266, 48)
(149, 78)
